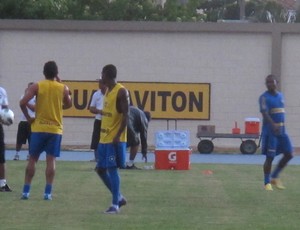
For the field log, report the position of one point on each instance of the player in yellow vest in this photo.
(47, 127)
(112, 145)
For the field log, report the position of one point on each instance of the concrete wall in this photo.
(234, 58)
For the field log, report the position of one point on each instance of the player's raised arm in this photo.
(67, 100)
(29, 94)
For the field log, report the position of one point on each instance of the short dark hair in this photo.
(50, 70)
(272, 76)
(110, 71)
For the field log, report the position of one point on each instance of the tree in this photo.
(33, 9)
(142, 10)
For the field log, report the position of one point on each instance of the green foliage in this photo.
(141, 10)
(232, 11)
(217, 9)
(275, 9)
(255, 10)
(181, 12)
(128, 10)
(33, 9)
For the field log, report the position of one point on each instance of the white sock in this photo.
(2, 182)
(17, 153)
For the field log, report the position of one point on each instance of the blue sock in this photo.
(267, 178)
(115, 185)
(276, 172)
(48, 188)
(106, 180)
(26, 188)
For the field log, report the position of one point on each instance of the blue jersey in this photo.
(274, 143)
(272, 104)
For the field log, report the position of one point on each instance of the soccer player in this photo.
(274, 137)
(24, 130)
(46, 128)
(137, 129)
(96, 108)
(3, 105)
(112, 146)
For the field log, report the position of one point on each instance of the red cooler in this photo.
(172, 159)
(252, 125)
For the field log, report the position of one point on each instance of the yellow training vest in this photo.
(49, 108)
(111, 118)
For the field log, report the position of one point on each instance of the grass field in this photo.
(230, 198)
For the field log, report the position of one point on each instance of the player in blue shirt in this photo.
(274, 137)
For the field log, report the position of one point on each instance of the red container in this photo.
(236, 130)
(172, 159)
(252, 125)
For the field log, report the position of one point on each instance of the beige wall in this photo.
(291, 82)
(234, 58)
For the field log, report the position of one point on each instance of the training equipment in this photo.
(172, 150)
(252, 125)
(7, 116)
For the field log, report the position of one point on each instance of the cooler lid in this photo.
(172, 139)
(256, 119)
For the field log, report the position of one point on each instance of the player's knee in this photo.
(100, 171)
(269, 159)
(289, 156)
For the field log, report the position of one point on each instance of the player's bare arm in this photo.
(31, 107)
(270, 120)
(3, 107)
(30, 93)
(94, 110)
(67, 100)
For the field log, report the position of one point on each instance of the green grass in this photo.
(231, 198)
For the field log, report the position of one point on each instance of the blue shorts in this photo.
(273, 145)
(111, 155)
(48, 142)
